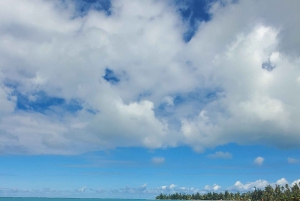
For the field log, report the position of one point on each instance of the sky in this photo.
(130, 99)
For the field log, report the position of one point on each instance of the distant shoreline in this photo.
(281, 193)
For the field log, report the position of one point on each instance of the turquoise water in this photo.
(66, 199)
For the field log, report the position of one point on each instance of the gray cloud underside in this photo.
(246, 56)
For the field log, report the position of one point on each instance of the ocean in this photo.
(65, 199)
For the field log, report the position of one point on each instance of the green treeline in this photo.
(279, 193)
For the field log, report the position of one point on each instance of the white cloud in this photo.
(207, 188)
(220, 154)
(259, 160)
(295, 182)
(253, 97)
(293, 160)
(158, 160)
(171, 186)
(216, 187)
(163, 187)
(239, 186)
(282, 182)
(82, 190)
(259, 184)
(65, 56)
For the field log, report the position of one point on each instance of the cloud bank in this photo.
(72, 82)
(142, 191)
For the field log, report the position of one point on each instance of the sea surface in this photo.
(76, 199)
(66, 199)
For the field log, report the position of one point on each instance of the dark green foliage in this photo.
(279, 193)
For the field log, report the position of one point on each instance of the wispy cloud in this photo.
(293, 160)
(158, 160)
(83, 189)
(220, 154)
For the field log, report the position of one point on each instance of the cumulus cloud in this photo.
(259, 160)
(239, 186)
(293, 160)
(220, 154)
(295, 182)
(214, 187)
(237, 84)
(259, 184)
(282, 182)
(158, 160)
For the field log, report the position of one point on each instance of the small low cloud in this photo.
(293, 160)
(259, 160)
(295, 182)
(82, 190)
(170, 187)
(239, 186)
(220, 154)
(158, 160)
(215, 187)
(282, 182)
(207, 187)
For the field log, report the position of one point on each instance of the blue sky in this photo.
(131, 99)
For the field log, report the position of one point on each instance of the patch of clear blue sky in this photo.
(110, 76)
(83, 6)
(43, 102)
(133, 167)
(192, 13)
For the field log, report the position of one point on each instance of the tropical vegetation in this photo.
(269, 193)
